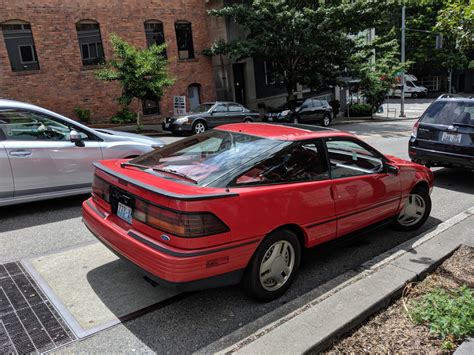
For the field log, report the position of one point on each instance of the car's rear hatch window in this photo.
(203, 158)
(448, 126)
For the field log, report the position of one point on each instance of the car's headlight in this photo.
(285, 113)
(182, 120)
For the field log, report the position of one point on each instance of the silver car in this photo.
(45, 155)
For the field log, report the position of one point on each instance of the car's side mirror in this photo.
(75, 138)
(391, 169)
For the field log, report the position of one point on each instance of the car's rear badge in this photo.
(165, 237)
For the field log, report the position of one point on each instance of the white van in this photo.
(412, 89)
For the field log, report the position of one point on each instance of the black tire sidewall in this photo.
(251, 280)
(295, 120)
(420, 191)
(322, 122)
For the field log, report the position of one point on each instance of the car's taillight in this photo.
(100, 188)
(184, 224)
(414, 132)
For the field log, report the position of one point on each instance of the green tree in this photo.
(457, 19)
(307, 41)
(140, 72)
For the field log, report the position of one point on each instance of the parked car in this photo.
(240, 202)
(45, 155)
(444, 134)
(311, 110)
(412, 89)
(209, 115)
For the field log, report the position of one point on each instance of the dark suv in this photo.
(311, 110)
(444, 135)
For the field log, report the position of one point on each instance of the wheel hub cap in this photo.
(277, 265)
(413, 211)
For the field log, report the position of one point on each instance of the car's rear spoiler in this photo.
(162, 192)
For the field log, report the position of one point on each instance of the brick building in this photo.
(50, 48)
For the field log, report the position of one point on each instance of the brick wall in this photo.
(63, 82)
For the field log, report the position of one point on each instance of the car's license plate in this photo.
(451, 138)
(124, 212)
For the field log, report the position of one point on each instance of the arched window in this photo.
(154, 33)
(90, 42)
(20, 45)
(194, 95)
(184, 38)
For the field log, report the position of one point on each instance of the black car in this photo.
(311, 110)
(209, 115)
(444, 135)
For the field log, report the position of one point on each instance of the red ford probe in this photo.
(238, 203)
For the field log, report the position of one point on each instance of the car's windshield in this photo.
(201, 108)
(204, 158)
(450, 112)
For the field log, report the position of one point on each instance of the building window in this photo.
(154, 34)
(151, 105)
(90, 43)
(20, 46)
(184, 38)
(194, 95)
(269, 73)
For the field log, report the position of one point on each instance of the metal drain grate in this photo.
(28, 321)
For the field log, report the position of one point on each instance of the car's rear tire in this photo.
(415, 212)
(414, 95)
(248, 120)
(199, 127)
(326, 121)
(273, 266)
(295, 119)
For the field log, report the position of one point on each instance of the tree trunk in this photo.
(139, 113)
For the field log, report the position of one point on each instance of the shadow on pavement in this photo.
(193, 321)
(455, 180)
(41, 212)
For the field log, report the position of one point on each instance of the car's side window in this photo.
(220, 108)
(27, 125)
(349, 158)
(302, 161)
(235, 108)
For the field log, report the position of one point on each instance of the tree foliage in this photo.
(140, 72)
(457, 19)
(307, 41)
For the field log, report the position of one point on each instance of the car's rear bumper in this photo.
(183, 270)
(437, 158)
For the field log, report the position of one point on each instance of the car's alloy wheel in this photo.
(277, 265)
(416, 210)
(199, 127)
(273, 266)
(326, 121)
(295, 120)
(247, 120)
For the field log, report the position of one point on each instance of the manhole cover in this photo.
(28, 322)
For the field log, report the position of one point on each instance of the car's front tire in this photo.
(199, 127)
(295, 119)
(326, 120)
(415, 212)
(273, 266)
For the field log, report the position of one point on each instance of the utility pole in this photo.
(402, 81)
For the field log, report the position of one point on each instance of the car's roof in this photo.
(220, 102)
(289, 132)
(14, 103)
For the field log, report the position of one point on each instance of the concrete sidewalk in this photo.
(313, 327)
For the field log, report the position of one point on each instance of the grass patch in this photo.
(447, 313)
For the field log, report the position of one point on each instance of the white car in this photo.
(45, 155)
(411, 90)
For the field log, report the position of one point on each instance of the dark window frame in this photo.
(189, 40)
(33, 54)
(152, 31)
(98, 44)
(17, 36)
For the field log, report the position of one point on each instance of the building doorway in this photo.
(239, 82)
(194, 95)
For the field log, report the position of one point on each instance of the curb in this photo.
(314, 326)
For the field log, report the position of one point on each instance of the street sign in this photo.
(179, 105)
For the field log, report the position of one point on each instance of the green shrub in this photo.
(359, 110)
(124, 115)
(449, 314)
(83, 114)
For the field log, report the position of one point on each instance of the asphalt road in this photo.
(194, 321)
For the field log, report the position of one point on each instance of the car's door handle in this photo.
(20, 153)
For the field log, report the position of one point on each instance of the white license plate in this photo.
(124, 212)
(451, 138)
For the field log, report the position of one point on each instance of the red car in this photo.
(239, 203)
